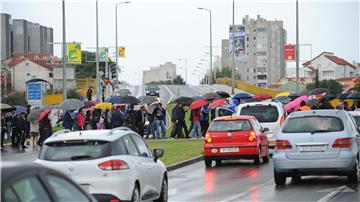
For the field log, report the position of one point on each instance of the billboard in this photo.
(74, 52)
(289, 52)
(104, 54)
(121, 52)
(237, 41)
(34, 92)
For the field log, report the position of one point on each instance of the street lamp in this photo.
(64, 50)
(185, 60)
(116, 39)
(210, 80)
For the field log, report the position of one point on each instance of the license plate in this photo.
(315, 148)
(229, 149)
(85, 187)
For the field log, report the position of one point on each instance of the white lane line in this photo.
(237, 196)
(335, 193)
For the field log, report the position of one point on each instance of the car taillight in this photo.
(282, 120)
(251, 136)
(342, 143)
(208, 138)
(283, 144)
(114, 200)
(114, 165)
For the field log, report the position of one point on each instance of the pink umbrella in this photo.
(295, 104)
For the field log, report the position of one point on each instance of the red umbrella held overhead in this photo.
(43, 114)
(217, 103)
(262, 96)
(197, 104)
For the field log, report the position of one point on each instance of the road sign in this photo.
(104, 54)
(121, 52)
(74, 52)
(34, 93)
(289, 52)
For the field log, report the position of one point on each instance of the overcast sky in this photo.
(157, 31)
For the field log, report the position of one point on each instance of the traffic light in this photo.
(121, 52)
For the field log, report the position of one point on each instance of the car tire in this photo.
(353, 177)
(208, 162)
(136, 194)
(218, 162)
(279, 178)
(164, 191)
(266, 158)
(259, 159)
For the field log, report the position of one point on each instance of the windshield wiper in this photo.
(319, 131)
(81, 157)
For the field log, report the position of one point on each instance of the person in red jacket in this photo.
(80, 120)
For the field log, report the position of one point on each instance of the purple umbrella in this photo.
(20, 109)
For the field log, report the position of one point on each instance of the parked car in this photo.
(235, 137)
(122, 92)
(152, 91)
(29, 182)
(271, 115)
(112, 165)
(317, 142)
(356, 116)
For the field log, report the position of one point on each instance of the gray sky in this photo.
(157, 31)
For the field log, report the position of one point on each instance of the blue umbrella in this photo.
(242, 96)
(74, 115)
(113, 100)
(20, 109)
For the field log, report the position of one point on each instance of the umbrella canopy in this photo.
(217, 103)
(312, 102)
(283, 94)
(295, 95)
(353, 95)
(295, 104)
(197, 104)
(113, 99)
(184, 100)
(6, 108)
(318, 91)
(343, 96)
(197, 97)
(43, 114)
(34, 115)
(89, 104)
(223, 94)
(240, 96)
(211, 96)
(127, 100)
(20, 109)
(282, 99)
(148, 99)
(71, 104)
(44, 107)
(119, 105)
(103, 106)
(262, 96)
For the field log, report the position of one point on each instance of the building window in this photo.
(254, 70)
(328, 74)
(51, 75)
(261, 53)
(247, 70)
(254, 30)
(254, 38)
(261, 29)
(28, 74)
(247, 38)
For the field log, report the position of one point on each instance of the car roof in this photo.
(354, 113)
(102, 135)
(323, 112)
(232, 118)
(260, 103)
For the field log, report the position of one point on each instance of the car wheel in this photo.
(208, 163)
(259, 159)
(136, 194)
(279, 178)
(218, 162)
(267, 157)
(353, 177)
(164, 192)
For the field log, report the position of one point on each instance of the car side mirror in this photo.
(266, 129)
(158, 153)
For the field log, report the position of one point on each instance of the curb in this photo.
(184, 163)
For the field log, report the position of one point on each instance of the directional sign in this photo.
(104, 54)
(289, 52)
(34, 92)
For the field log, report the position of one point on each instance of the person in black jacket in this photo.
(3, 130)
(14, 131)
(22, 129)
(177, 117)
(45, 129)
(140, 120)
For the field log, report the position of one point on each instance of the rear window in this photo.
(75, 150)
(357, 120)
(263, 113)
(310, 124)
(236, 125)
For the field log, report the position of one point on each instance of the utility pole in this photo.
(64, 50)
(97, 55)
(233, 53)
(297, 46)
(211, 54)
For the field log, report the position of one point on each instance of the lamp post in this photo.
(297, 46)
(97, 55)
(185, 60)
(211, 75)
(64, 50)
(116, 39)
(233, 52)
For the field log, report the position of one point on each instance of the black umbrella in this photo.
(353, 95)
(197, 97)
(211, 96)
(184, 100)
(223, 94)
(343, 96)
(148, 99)
(293, 96)
(318, 91)
(329, 96)
(312, 102)
(127, 100)
(282, 99)
(6, 108)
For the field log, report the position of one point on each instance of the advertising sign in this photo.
(74, 52)
(237, 41)
(34, 92)
(104, 54)
(289, 52)
(121, 52)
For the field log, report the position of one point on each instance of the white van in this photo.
(271, 115)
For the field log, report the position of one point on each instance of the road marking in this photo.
(236, 196)
(333, 194)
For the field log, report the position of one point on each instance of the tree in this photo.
(178, 80)
(73, 94)
(334, 87)
(87, 68)
(317, 79)
(15, 99)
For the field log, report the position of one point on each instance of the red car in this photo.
(236, 137)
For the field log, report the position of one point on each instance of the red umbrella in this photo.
(43, 114)
(217, 103)
(262, 96)
(197, 104)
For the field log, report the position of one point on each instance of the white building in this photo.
(163, 72)
(329, 67)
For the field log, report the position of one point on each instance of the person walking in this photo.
(45, 129)
(68, 122)
(204, 120)
(3, 129)
(132, 118)
(34, 132)
(140, 120)
(117, 119)
(14, 131)
(108, 117)
(101, 124)
(177, 117)
(162, 120)
(21, 127)
(191, 122)
(8, 125)
(80, 120)
(152, 129)
(89, 93)
(196, 133)
(88, 120)
(159, 118)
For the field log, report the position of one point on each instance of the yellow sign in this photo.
(104, 54)
(74, 52)
(121, 52)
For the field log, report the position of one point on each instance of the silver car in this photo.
(317, 142)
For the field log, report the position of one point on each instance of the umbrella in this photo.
(282, 99)
(184, 100)
(113, 99)
(148, 99)
(103, 106)
(223, 94)
(71, 104)
(295, 104)
(197, 97)
(312, 102)
(127, 100)
(197, 104)
(353, 95)
(43, 114)
(6, 108)
(240, 96)
(318, 91)
(44, 107)
(343, 96)
(262, 96)
(34, 115)
(212, 96)
(119, 105)
(283, 94)
(217, 103)
(89, 104)
(20, 109)
(295, 95)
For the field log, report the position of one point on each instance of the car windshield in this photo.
(313, 124)
(357, 120)
(225, 125)
(263, 113)
(75, 150)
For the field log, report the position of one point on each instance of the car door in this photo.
(262, 135)
(355, 128)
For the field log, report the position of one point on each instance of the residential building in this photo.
(5, 40)
(163, 72)
(329, 66)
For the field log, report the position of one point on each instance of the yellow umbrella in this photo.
(103, 106)
(283, 94)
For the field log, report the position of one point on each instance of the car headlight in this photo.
(147, 91)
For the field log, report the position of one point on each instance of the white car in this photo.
(356, 116)
(112, 165)
(271, 115)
